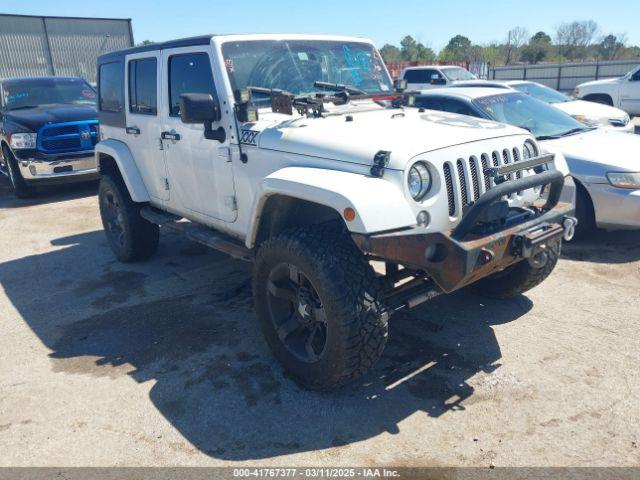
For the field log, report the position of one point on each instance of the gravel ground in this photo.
(161, 363)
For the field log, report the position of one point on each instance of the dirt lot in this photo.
(161, 363)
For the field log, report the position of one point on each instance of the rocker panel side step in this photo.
(198, 233)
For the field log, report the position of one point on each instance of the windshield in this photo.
(294, 65)
(33, 92)
(541, 92)
(521, 110)
(457, 73)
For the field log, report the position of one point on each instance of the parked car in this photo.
(433, 76)
(623, 92)
(270, 159)
(589, 113)
(603, 163)
(48, 130)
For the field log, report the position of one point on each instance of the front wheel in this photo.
(517, 279)
(317, 301)
(130, 236)
(19, 186)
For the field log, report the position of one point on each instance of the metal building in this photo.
(62, 46)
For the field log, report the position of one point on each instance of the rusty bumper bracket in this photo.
(469, 252)
(474, 213)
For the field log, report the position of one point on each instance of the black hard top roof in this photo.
(181, 42)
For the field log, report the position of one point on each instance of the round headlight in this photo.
(529, 150)
(419, 180)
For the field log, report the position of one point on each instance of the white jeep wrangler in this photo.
(295, 152)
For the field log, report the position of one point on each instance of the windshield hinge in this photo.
(380, 161)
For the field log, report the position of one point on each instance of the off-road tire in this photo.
(584, 213)
(357, 322)
(19, 186)
(516, 279)
(139, 237)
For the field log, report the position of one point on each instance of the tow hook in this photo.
(569, 225)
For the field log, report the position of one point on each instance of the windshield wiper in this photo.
(565, 134)
(339, 87)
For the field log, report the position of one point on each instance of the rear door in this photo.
(142, 78)
(630, 94)
(200, 170)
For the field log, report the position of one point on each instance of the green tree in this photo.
(413, 51)
(610, 46)
(390, 53)
(537, 49)
(457, 50)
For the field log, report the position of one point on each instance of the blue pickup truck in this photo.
(48, 130)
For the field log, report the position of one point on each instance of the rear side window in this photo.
(143, 91)
(445, 105)
(110, 87)
(421, 76)
(189, 73)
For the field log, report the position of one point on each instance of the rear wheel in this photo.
(316, 298)
(519, 278)
(19, 186)
(130, 236)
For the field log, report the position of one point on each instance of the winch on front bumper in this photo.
(490, 236)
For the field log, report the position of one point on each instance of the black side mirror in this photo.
(400, 85)
(198, 108)
(201, 108)
(438, 81)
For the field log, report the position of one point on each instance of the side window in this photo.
(110, 87)
(636, 76)
(416, 76)
(143, 88)
(456, 106)
(189, 73)
(430, 103)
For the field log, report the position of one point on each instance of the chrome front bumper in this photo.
(71, 167)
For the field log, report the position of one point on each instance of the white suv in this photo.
(286, 150)
(623, 92)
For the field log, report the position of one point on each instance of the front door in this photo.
(630, 94)
(200, 170)
(143, 77)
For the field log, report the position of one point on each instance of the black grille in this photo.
(61, 130)
(495, 158)
(463, 184)
(516, 158)
(61, 143)
(484, 160)
(449, 183)
(474, 178)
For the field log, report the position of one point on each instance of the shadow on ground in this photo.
(45, 194)
(605, 247)
(185, 320)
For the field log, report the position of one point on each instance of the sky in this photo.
(431, 22)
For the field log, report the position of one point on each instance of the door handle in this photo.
(170, 136)
(133, 130)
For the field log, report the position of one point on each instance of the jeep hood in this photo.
(355, 137)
